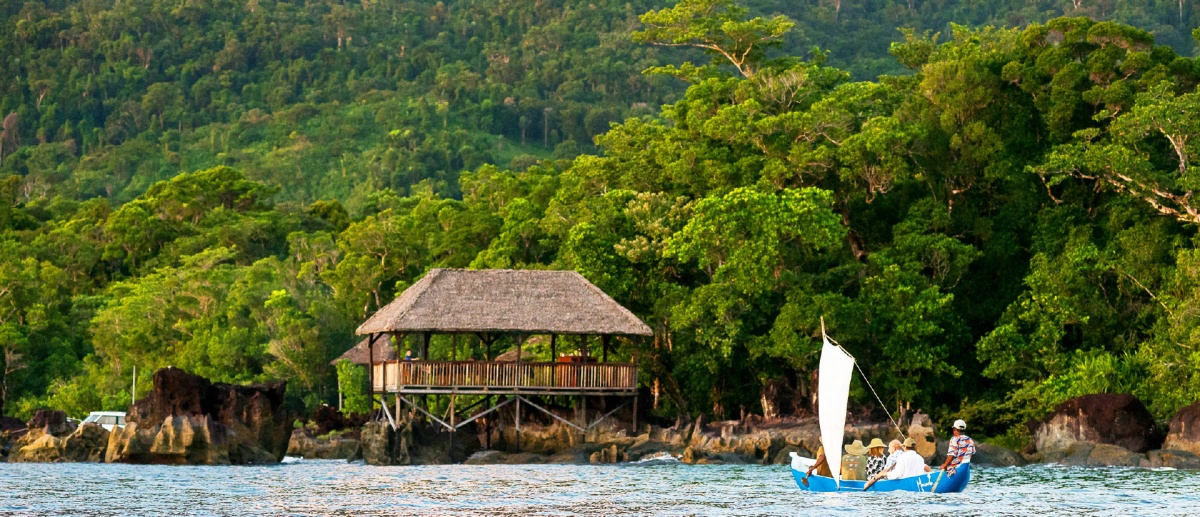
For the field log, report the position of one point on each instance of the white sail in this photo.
(833, 391)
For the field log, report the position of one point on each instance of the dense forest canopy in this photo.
(990, 218)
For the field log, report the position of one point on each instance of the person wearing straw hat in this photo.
(912, 462)
(854, 463)
(961, 448)
(875, 459)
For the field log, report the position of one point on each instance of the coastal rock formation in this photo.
(382, 445)
(187, 419)
(43, 442)
(1183, 433)
(988, 455)
(415, 442)
(51, 438)
(344, 445)
(327, 435)
(1176, 459)
(921, 431)
(88, 443)
(1098, 419)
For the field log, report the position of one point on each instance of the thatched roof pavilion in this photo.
(490, 304)
(358, 354)
(504, 301)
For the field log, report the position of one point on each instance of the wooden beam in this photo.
(608, 414)
(426, 413)
(548, 412)
(489, 410)
(371, 369)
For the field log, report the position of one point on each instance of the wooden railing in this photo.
(479, 375)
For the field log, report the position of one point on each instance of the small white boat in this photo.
(109, 420)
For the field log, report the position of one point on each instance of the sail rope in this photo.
(865, 379)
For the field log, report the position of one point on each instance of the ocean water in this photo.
(654, 488)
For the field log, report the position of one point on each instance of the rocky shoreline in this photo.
(188, 420)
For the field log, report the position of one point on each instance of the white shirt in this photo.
(908, 464)
(914, 464)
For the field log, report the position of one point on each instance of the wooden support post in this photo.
(518, 419)
(520, 344)
(425, 345)
(450, 441)
(635, 408)
(604, 347)
(584, 423)
(454, 347)
(397, 406)
(487, 426)
(553, 348)
(371, 370)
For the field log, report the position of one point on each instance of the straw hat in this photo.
(856, 448)
(876, 442)
(909, 443)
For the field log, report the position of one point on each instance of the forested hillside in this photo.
(1001, 221)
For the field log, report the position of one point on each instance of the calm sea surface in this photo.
(338, 488)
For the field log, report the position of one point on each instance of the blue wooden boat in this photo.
(833, 390)
(927, 482)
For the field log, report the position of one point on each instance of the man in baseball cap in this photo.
(961, 448)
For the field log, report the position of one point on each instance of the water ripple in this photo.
(339, 488)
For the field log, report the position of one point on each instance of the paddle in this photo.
(869, 484)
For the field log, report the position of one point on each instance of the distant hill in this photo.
(336, 99)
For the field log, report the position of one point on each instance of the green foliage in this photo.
(231, 189)
(352, 384)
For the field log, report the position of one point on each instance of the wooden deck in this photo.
(466, 377)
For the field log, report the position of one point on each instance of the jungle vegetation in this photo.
(990, 203)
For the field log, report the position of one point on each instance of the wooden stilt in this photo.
(487, 426)
(371, 370)
(635, 408)
(518, 419)
(450, 441)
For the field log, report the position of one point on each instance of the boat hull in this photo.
(927, 482)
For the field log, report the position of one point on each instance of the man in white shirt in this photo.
(911, 463)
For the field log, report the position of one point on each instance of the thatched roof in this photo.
(384, 351)
(505, 300)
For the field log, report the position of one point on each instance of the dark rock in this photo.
(1184, 430)
(1114, 419)
(37, 448)
(187, 419)
(335, 445)
(609, 454)
(8, 423)
(989, 455)
(130, 444)
(784, 457)
(382, 445)
(1175, 459)
(1106, 455)
(44, 439)
(921, 431)
(327, 419)
(89, 442)
(1077, 454)
(51, 421)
